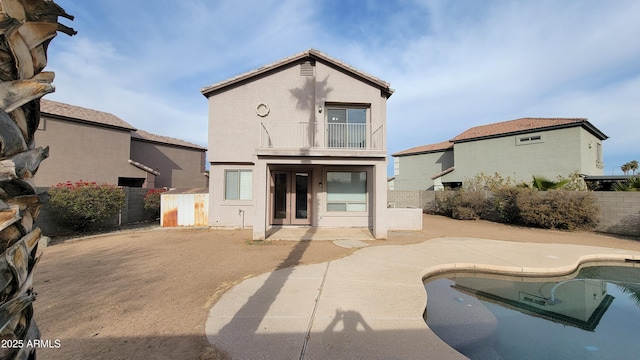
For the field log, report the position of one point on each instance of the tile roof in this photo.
(424, 149)
(505, 128)
(144, 167)
(311, 53)
(77, 113)
(443, 173)
(522, 125)
(146, 136)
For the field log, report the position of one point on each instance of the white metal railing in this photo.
(288, 135)
(347, 136)
(317, 135)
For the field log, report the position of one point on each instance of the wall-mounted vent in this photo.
(528, 139)
(307, 69)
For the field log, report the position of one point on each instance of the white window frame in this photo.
(243, 185)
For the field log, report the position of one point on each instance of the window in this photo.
(347, 127)
(347, 191)
(529, 139)
(238, 185)
(599, 162)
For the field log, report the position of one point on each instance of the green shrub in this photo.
(462, 205)
(152, 202)
(483, 181)
(83, 205)
(443, 202)
(568, 210)
(504, 203)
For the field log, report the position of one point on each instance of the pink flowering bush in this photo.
(82, 205)
(152, 202)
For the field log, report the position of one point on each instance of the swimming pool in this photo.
(593, 313)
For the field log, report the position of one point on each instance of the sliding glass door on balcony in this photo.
(347, 128)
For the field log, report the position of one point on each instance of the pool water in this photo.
(593, 313)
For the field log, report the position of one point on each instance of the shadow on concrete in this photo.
(262, 299)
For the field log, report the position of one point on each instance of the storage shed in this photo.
(184, 207)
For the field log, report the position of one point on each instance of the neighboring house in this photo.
(92, 145)
(518, 149)
(298, 142)
(180, 164)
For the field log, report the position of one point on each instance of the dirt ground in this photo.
(146, 293)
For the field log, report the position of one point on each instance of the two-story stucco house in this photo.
(298, 142)
(518, 149)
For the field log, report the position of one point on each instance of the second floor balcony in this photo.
(322, 139)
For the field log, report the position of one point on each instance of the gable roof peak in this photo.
(310, 53)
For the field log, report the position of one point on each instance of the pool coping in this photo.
(327, 310)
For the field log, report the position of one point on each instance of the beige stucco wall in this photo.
(234, 125)
(235, 140)
(179, 167)
(229, 213)
(560, 152)
(83, 152)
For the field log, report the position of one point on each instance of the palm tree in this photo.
(626, 168)
(629, 185)
(26, 29)
(633, 166)
(543, 184)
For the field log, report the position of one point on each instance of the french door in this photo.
(291, 197)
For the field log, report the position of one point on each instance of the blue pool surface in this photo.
(591, 314)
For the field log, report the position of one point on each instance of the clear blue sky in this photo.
(454, 64)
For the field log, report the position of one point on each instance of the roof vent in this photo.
(307, 69)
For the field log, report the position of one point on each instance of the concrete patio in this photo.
(370, 304)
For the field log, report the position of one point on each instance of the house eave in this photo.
(86, 122)
(585, 124)
(313, 54)
(198, 148)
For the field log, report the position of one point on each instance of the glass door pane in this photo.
(302, 192)
(280, 193)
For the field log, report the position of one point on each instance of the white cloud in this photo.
(453, 64)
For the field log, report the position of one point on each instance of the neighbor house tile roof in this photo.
(146, 136)
(443, 173)
(77, 113)
(505, 128)
(523, 125)
(424, 149)
(311, 53)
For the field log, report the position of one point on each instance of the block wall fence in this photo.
(133, 211)
(619, 210)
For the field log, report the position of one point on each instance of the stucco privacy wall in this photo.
(619, 210)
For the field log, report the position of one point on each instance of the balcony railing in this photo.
(305, 135)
